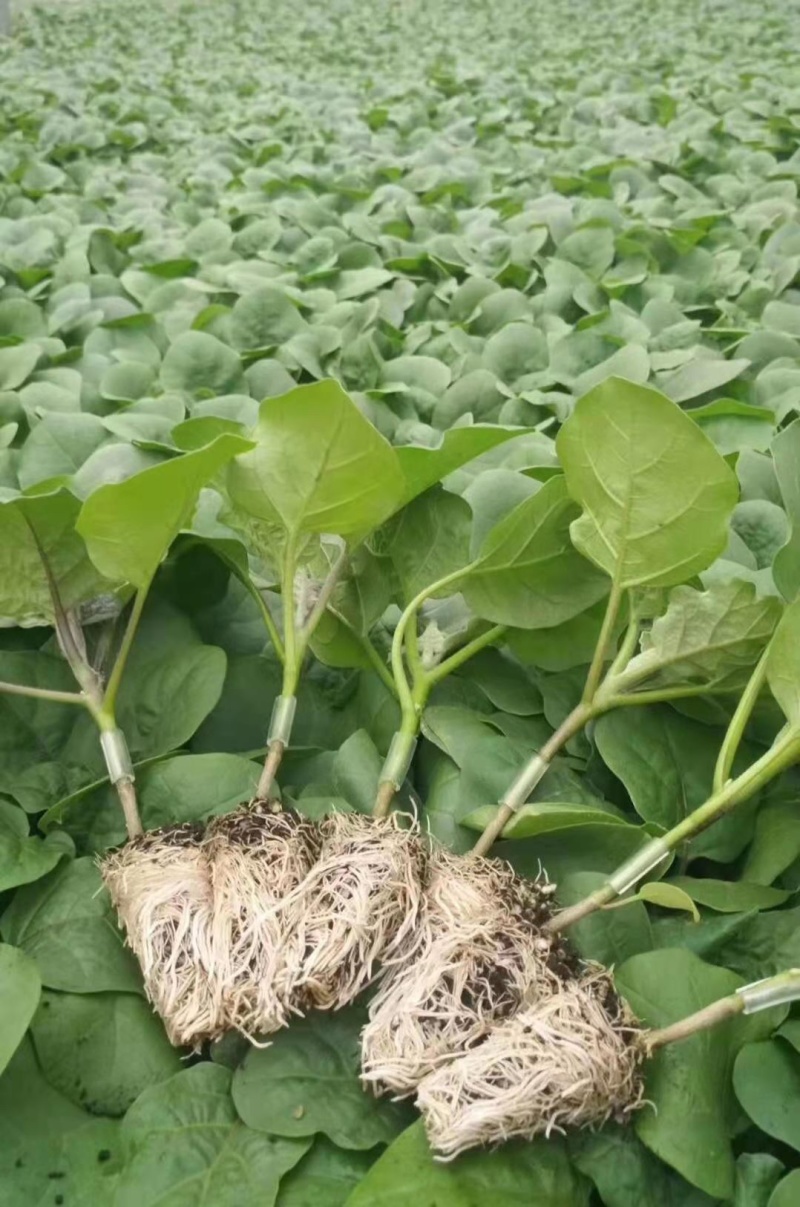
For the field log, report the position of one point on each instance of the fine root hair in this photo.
(258, 856)
(572, 1060)
(357, 909)
(160, 885)
(481, 952)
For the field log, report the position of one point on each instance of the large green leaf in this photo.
(527, 572)
(184, 1145)
(129, 526)
(427, 540)
(708, 638)
(627, 1174)
(42, 1134)
(65, 923)
(325, 1176)
(36, 525)
(766, 1077)
(318, 466)
(666, 761)
(515, 1176)
(20, 988)
(307, 1082)
(101, 1050)
(656, 495)
(689, 1082)
(783, 663)
(423, 467)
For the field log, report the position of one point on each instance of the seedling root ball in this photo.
(358, 908)
(480, 951)
(570, 1060)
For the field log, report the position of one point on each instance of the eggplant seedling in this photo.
(704, 643)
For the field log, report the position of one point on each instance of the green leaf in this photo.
(424, 467)
(527, 573)
(428, 540)
(20, 988)
(776, 842)
(307, 1082)
(689, 1082)
(543, 817)
(766, 1078)
(17, 363)
(626, 1174)
(783, 663)
(42, 1134)
(786, 461)
(324, 1177)
(23, 856)
(183, 1144)
(628, 453)
(129, 526)
(732, 426)
(668, 896)
(786, 1192)
(59, 445)
(730, 896)
(264, 318)
(517, 1175)
(318, 466)
(46, 522)
(65, 923)
(101, 1050)
(757, 1174)
(711, 639)
(198, 362)
(666, 761)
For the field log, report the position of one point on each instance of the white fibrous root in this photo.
(481, 950)
(572, 1060)
(258, 856)
(358, 907)
(160, 885)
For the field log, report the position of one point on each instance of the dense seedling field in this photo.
(399, 410)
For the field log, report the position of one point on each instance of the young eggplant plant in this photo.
(160, 881)
(573, 1060)
(319, 471)
(635, 528)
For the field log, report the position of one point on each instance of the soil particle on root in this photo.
(571, 1060)
(358, 907)
(481, 951)
(160, 885)
(258, 855)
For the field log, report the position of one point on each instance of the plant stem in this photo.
(398, 641)
(291, 669)
(702, 1020)
(324, 597)
(115, 678)
(533, 771)
(270, 769)
(395, 768)
(462, 655)
(738, 723)
(43, 693)
(269, 623)
(130, 809)
(784, 752)
(601, 649)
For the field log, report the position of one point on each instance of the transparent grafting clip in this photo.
(117, 756)
(772, 991)
(282, 719)
(637, 867)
